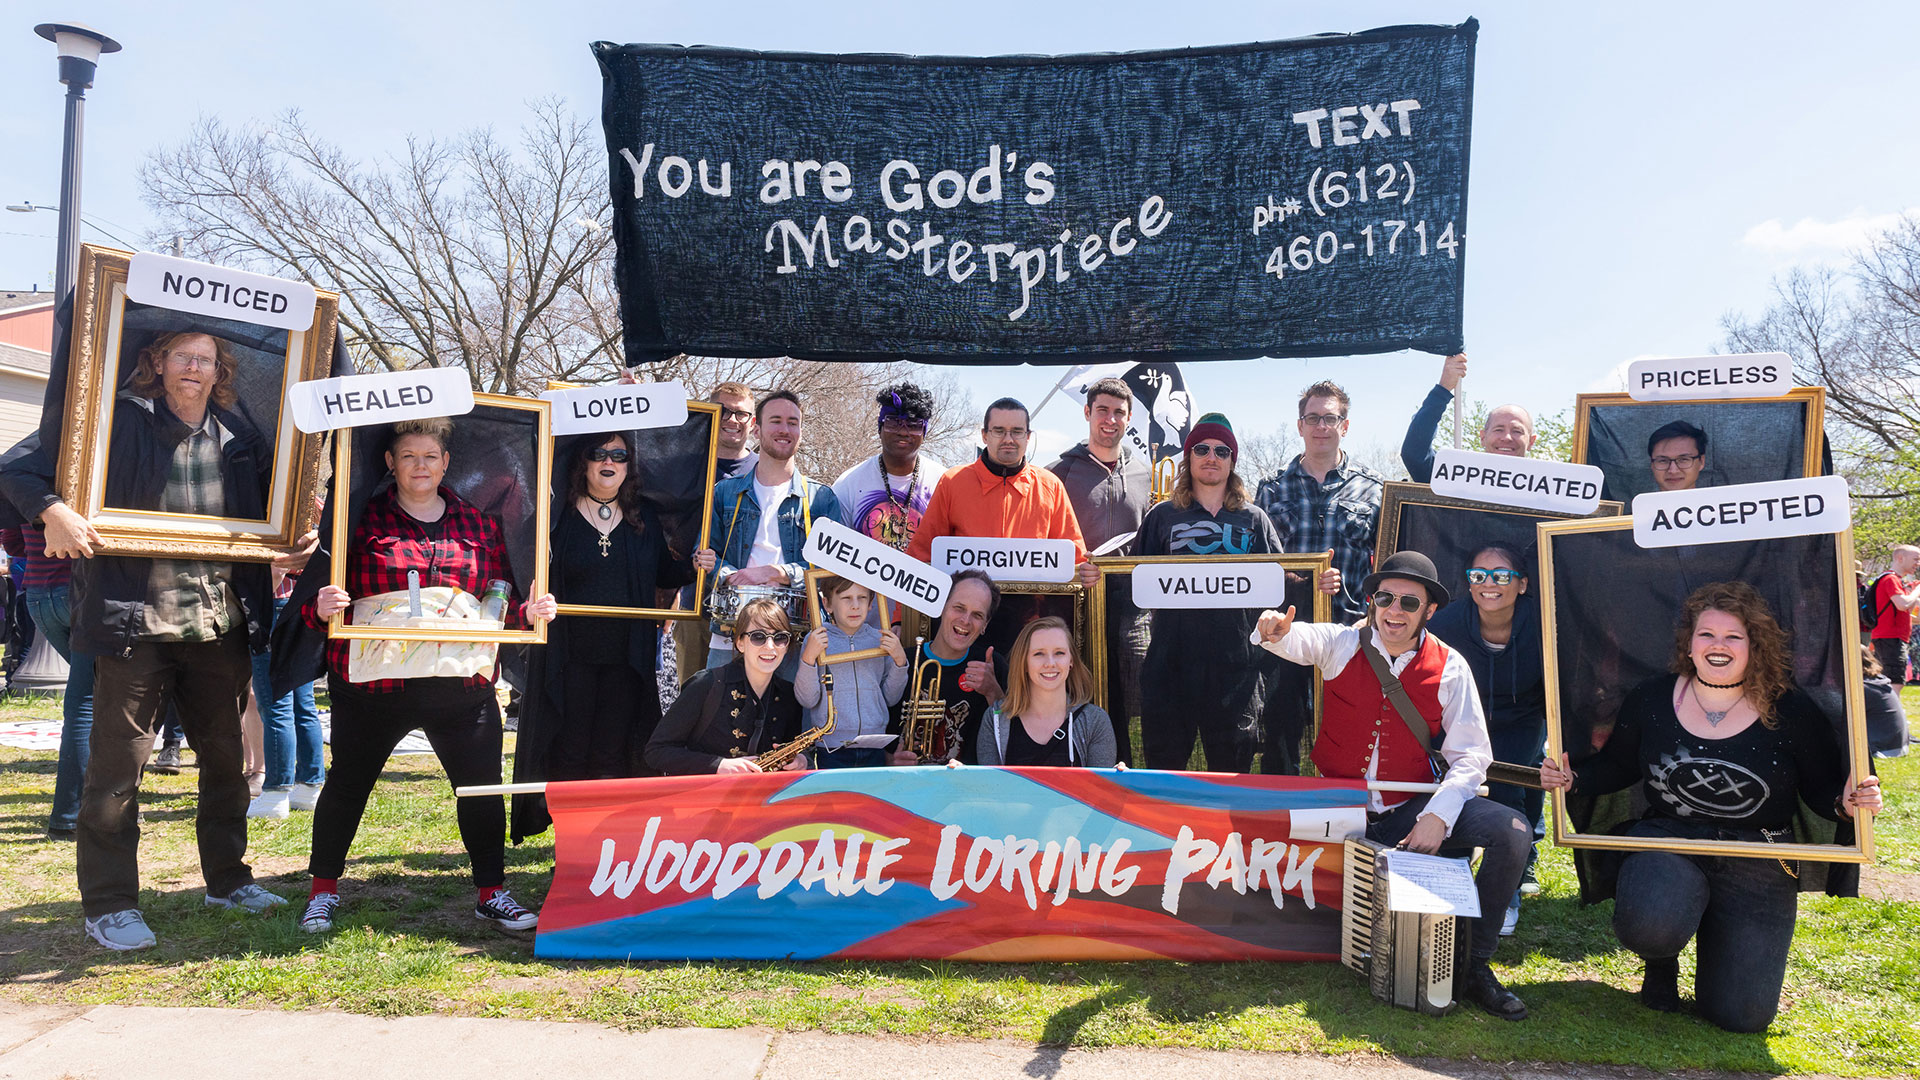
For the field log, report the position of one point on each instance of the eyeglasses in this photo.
(1684, 461)
(1323, 419)
(728, 412)
(1007, 432)
(189, 360)
(601, 453)
(1408, 601)
(761, 637)
(1503, 576)
(1216, 449)
(903, 425)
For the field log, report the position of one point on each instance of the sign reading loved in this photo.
(1210, 585)
(837, 549)
(1006, 558)
(206, 289)
(1718, 515)
(1695, 378)
(617, 407)
(385, 397)
(1534, 483)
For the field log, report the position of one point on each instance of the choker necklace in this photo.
(1715, 685)
(606, 506)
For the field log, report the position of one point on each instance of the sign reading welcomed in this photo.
(1210, 585)
(1288, 198)
(579, 410)
(960, 864)
(1716, 515)
(384, 397)
(839, 550)
(206, 289)
(1693, 378)
(1006, 558)
(1534, 483)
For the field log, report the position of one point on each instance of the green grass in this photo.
(409, 946)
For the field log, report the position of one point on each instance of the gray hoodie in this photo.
(862, 689)
(1107, 502)
(1090, 742)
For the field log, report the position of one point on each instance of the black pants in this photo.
(464, 727)
(605, 724)
(1128, 630)
(1184, 692)
(1288, 717)
(1504, 840)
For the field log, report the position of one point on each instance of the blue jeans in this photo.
(53, 613)
(1504, 840)
(851, 757)
(290, 728)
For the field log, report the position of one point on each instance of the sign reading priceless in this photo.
(839, 550)
(1289, 198)
(1534, 483)
(206, 289)
(579, 410)
(1695, 378)
(961, 864)
(1715, 515)
(1006, 558)
(1210, 585)
(384, 397)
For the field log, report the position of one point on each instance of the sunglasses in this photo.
(761, 637)
(601, 453)
(1408, 601)
(903, 425)
(1215, 449)
(1502, 576)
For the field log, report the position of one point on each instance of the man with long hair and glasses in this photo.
(1367, 732)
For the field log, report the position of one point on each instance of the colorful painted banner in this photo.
(960, 864)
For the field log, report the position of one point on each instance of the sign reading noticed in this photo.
(837, 549)
(1717, 515)
(1210, 585)
(1693, 378)
(385, 397)
(1533, 483)
(1006, 558)
(617, 407)
(206, 289)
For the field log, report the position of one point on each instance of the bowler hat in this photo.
(1412, 566)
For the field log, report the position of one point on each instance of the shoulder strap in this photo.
(1880, 611)
(1396, 693)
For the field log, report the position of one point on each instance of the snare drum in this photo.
(727, 600)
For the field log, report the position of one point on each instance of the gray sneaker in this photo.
(248, 897)
(122, 931)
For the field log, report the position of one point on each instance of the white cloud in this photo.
(1615, 379)
(1810, 234)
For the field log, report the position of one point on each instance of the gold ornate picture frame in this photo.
(816, 617)
(1578, 699)
(107, 334)
(1743, 437)
(1022, 601)
(1441, 527)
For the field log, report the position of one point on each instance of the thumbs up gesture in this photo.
(979, 678)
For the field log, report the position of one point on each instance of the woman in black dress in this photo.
(1046, 717)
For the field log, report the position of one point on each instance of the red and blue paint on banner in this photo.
(959, 864)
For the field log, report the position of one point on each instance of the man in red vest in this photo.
(1363, 733)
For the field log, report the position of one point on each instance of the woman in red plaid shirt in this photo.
(417, 526)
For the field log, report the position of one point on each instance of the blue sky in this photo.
(1638, 169)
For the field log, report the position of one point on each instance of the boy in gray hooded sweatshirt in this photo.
(863, 690)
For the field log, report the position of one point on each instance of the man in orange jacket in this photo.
(1002, 494)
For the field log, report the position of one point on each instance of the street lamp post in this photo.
(80, 48)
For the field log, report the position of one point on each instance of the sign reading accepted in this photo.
(617, 407)
(1006, 558)
(1718, 515)
(1693, 378)
(206, 289)
(1210, 585)
(837, 549)
(384, 397)
(1533, 483)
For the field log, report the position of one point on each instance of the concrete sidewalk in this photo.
(113, 1042)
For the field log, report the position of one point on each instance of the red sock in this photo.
(486, 894)
(325, 885)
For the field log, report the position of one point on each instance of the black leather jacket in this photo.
(697, 732)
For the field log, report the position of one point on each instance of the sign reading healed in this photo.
(384, 397)
(839, 550)
(1693, 378)
(206, 289)
(1006, 558)
(580, 410)
(1291, 198)
(1808, 507)
(1210, 585)
(1533, 483)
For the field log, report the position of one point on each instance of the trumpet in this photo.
(924, 728)
(1166, 472)
(780, 756)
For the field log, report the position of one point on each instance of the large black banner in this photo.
(1294, 198)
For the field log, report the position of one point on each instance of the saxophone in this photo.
(923, 716)
(779, 757)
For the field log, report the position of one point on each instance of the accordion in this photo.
(1409, 959)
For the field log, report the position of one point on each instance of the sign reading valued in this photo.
(1006, 558)
(1695, 378)
(206, 289)
(1285, 198)
(959, 864)
(1210, 585)
(1807, 507)
(839, 550)
(384, 397)
(580, 410)
(1533, 483)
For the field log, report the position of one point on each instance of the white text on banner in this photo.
(1210, 585)
(618, 407)
(1006, 558)
(384, 397)
(1533, 483)
(1717, 515)
(206, 289)
(837, 549)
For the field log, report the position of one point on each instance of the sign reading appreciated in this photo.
(837, 549)
(1534, 483)
(1693, 378)
(962, 864)
(1210, 585)
(1716, 515)
(1288, 198)
(1006, 558)
(617, 407)
(384, 397)
(206, 289)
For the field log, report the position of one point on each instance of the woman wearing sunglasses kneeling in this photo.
(727, 716)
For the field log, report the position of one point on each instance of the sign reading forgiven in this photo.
(1293, 198)
(1713, 515)
(1534, 483)
(1006, 558)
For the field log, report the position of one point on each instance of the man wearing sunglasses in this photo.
(886, 495)
(1677, 453)
(1372, 729)
(1508, 428)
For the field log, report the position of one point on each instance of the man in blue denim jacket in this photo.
(754, 548)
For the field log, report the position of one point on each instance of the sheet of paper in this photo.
(870, 742)
(1327, 826)
(1430, 884)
